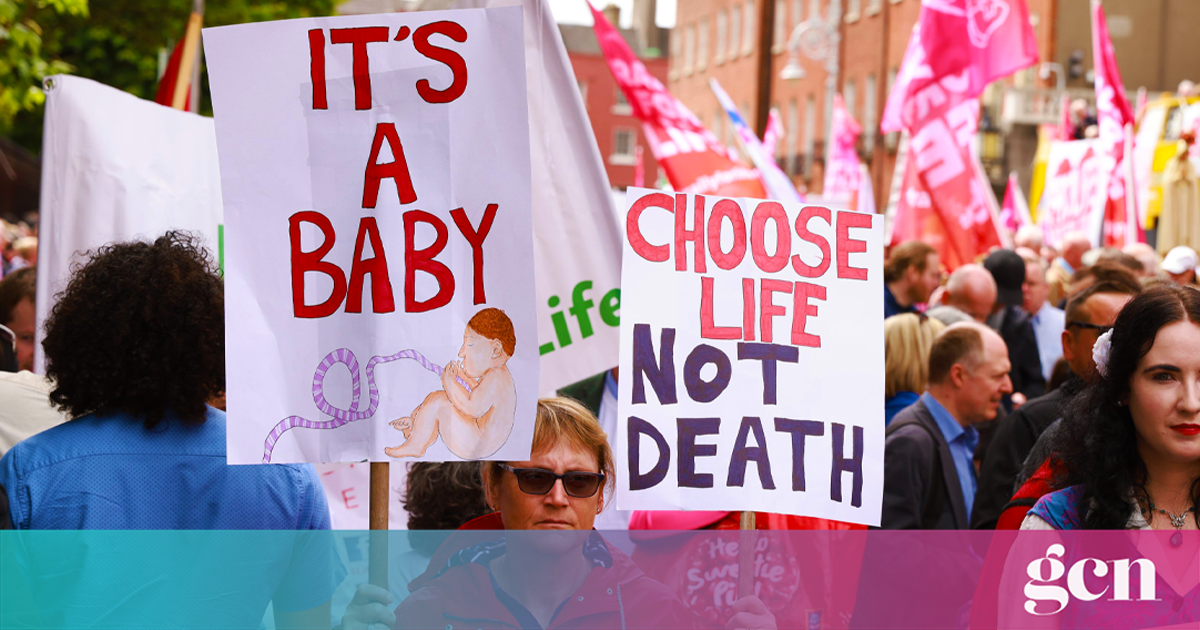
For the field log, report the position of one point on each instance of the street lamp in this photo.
(818, 40)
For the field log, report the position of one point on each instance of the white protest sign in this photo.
(379, 259)
(751, 357)
(1075, 192)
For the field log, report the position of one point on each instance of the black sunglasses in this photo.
(580, 485)
(1097, 327)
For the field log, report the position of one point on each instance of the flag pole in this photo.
(377, 569)
(187, 60)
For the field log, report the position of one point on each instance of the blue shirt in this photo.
(112, 472)
(896, 404)
(891, 306)
(1048, 325)
(962, 441)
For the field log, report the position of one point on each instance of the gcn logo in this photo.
(1042, 587)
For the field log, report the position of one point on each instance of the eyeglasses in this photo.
(1096, 327)
(580, 485)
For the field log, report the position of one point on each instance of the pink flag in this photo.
(1066, 128)
(773, 132)
(1014, 213)
(842, 175)
(639, 168)
(1113, 113)
(690, 155)
(957, 48)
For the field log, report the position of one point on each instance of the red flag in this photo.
(175, 86)
(957, 48)
(1014, 213)
(690, 155)
(773, 132)
(1113, 113)
(842, 175)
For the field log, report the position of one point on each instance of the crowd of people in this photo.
(1037, 389)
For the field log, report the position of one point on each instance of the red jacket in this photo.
(462, 596)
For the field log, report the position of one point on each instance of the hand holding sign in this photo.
(786, 386)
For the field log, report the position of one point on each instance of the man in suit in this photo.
(929, 473)
(1015, 327)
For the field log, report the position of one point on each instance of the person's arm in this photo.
(474, 403)
(907, 463)
(315, 618)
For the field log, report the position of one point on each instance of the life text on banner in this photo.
(379, 257)
(751, 357)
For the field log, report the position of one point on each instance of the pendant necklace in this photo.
(1177, 520)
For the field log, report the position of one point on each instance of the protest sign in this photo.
(1074, 195)
(117, 168)
(751, 357)
(379, 258)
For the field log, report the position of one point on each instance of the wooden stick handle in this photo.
(746, 555)
(377, 562)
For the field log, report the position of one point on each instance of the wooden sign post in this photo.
(746, 546)
(377, 563)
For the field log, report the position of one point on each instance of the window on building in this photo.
(722, 33)
(749, 22)
(874, 6)
(777, 150)
(797, 12)
(810, 132)
(869, 119)
(850, 98)
(624, 146)
(814, 9)
(735, 30)
(779, 37)
(676, 60)
(621, 104)
(853, 9)
(702, 54)
(689, 49)
(793, 134)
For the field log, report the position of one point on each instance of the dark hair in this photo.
(1099, 442)
(907, 254)
(16, 286)
(1077, 301)
(955, 345)
(442, 496)
(140, 329)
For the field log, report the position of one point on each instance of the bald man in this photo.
(929, 473)
(1074, 246)
(970, 296)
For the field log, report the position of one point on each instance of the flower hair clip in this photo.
(1100, 352)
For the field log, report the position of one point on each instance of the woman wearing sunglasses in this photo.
(550, 569)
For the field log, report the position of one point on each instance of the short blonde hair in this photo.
(907, 339)
(565, 419)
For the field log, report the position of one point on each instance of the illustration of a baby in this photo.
(474, 422)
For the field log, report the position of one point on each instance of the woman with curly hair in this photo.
(1131, 442)
(135, 345)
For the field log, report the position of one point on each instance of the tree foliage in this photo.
(22, 60)
(119, 43)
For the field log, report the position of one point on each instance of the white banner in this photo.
(118, 168)
(751, 358)
(1074, 194)
(576, 238)
(410, 337)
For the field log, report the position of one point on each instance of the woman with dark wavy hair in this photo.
(135, 345)
(1131, 441)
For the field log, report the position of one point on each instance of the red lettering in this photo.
(847, 245)
(748, 309)
(316, 68)
(727, 208)
(683, 235)
(304, 262)
(347, 498)
(422, 260)
(358, 38)
(475, 238)
(381, 286)
(397, 169)
(633, 231)
(769, 310)
(770, 211)
(707, 329)
(803, 270)
(453, 60)
(802, 310)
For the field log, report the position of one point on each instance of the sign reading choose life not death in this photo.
(379, 260)
(751, 357)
